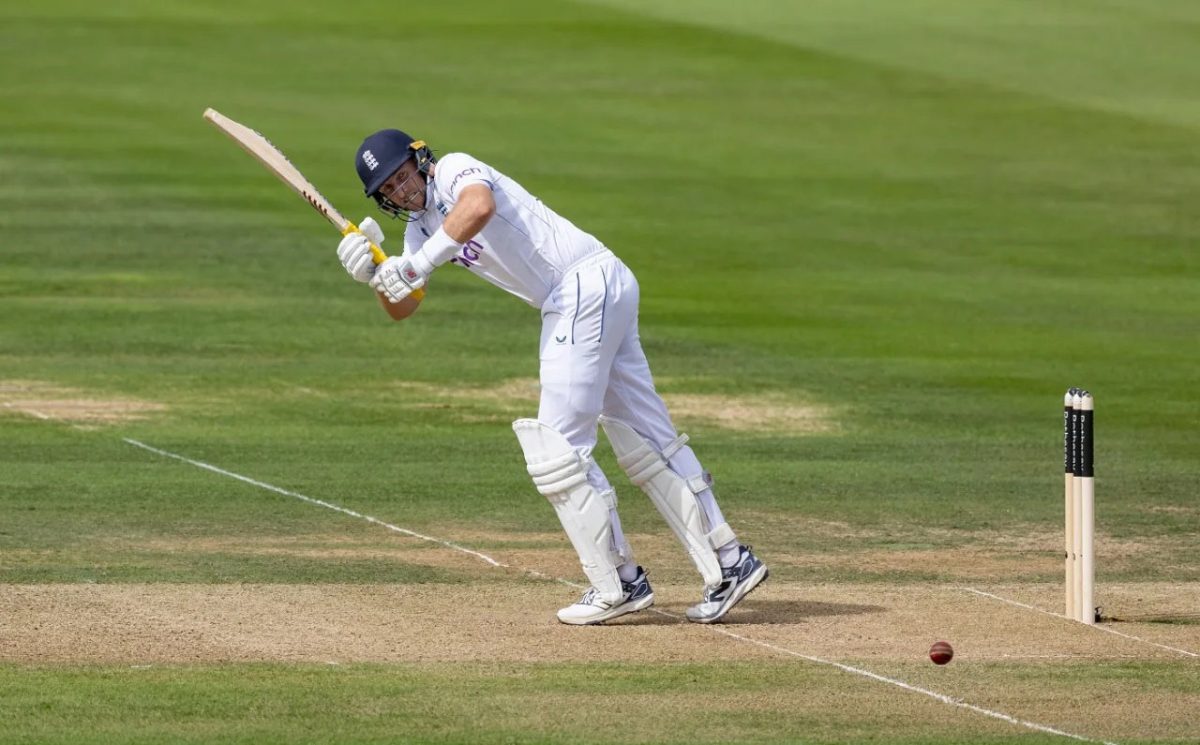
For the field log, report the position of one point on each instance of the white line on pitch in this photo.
(1088, 625)
(717, 629)
(320, 503)
(916, 689)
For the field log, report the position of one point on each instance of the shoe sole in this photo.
(615, 612)
(760, 575)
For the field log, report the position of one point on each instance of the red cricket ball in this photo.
(941, 653)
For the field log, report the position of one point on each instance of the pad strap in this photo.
(674, 446)
(558, 474)
(721, 535)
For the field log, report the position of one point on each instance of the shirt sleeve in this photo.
(414, 238)
(456, 171)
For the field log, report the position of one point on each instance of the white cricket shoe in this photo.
(736, 583)
(636, 595)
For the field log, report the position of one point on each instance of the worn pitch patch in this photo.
(43, 400)
(514, 621)
(148, 623)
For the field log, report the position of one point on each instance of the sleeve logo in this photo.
(467, 172)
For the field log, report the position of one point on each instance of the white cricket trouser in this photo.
(592, 363)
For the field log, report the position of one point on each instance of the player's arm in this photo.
(472, 209)
(475, 208)
(464, 183)
(401, 310)
(400, 276)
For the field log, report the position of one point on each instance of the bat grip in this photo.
(379, 256)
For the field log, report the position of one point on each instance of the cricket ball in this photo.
(941, 653)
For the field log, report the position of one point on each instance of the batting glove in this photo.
(401, 276)
(355, 250)
(371, 229)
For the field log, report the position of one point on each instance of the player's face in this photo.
(406, 188)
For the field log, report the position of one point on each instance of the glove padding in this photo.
(397, 278)
(355, 250)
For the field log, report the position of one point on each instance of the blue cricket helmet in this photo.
(380, 155)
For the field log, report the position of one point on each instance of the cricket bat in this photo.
(277, 163)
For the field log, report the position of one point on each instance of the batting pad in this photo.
(560, 473)
(672, 494)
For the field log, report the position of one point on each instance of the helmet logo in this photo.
(369, 159)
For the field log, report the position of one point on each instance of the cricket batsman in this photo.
(460, 210)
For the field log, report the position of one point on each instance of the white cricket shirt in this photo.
(525, 249)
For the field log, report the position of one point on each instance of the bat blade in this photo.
(265, 152)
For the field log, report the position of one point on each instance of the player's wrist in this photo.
(421, 262)
(437, 250)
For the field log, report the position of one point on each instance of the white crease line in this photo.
(916, 689)
(493, 562)
(262, 485)
(1097, 627)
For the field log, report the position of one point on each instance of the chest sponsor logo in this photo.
(470, 254)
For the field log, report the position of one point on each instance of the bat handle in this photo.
(379, 256)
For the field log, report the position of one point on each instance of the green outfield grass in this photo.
(926, 219)
(489, 703)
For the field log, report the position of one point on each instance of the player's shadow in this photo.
(751, 611)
